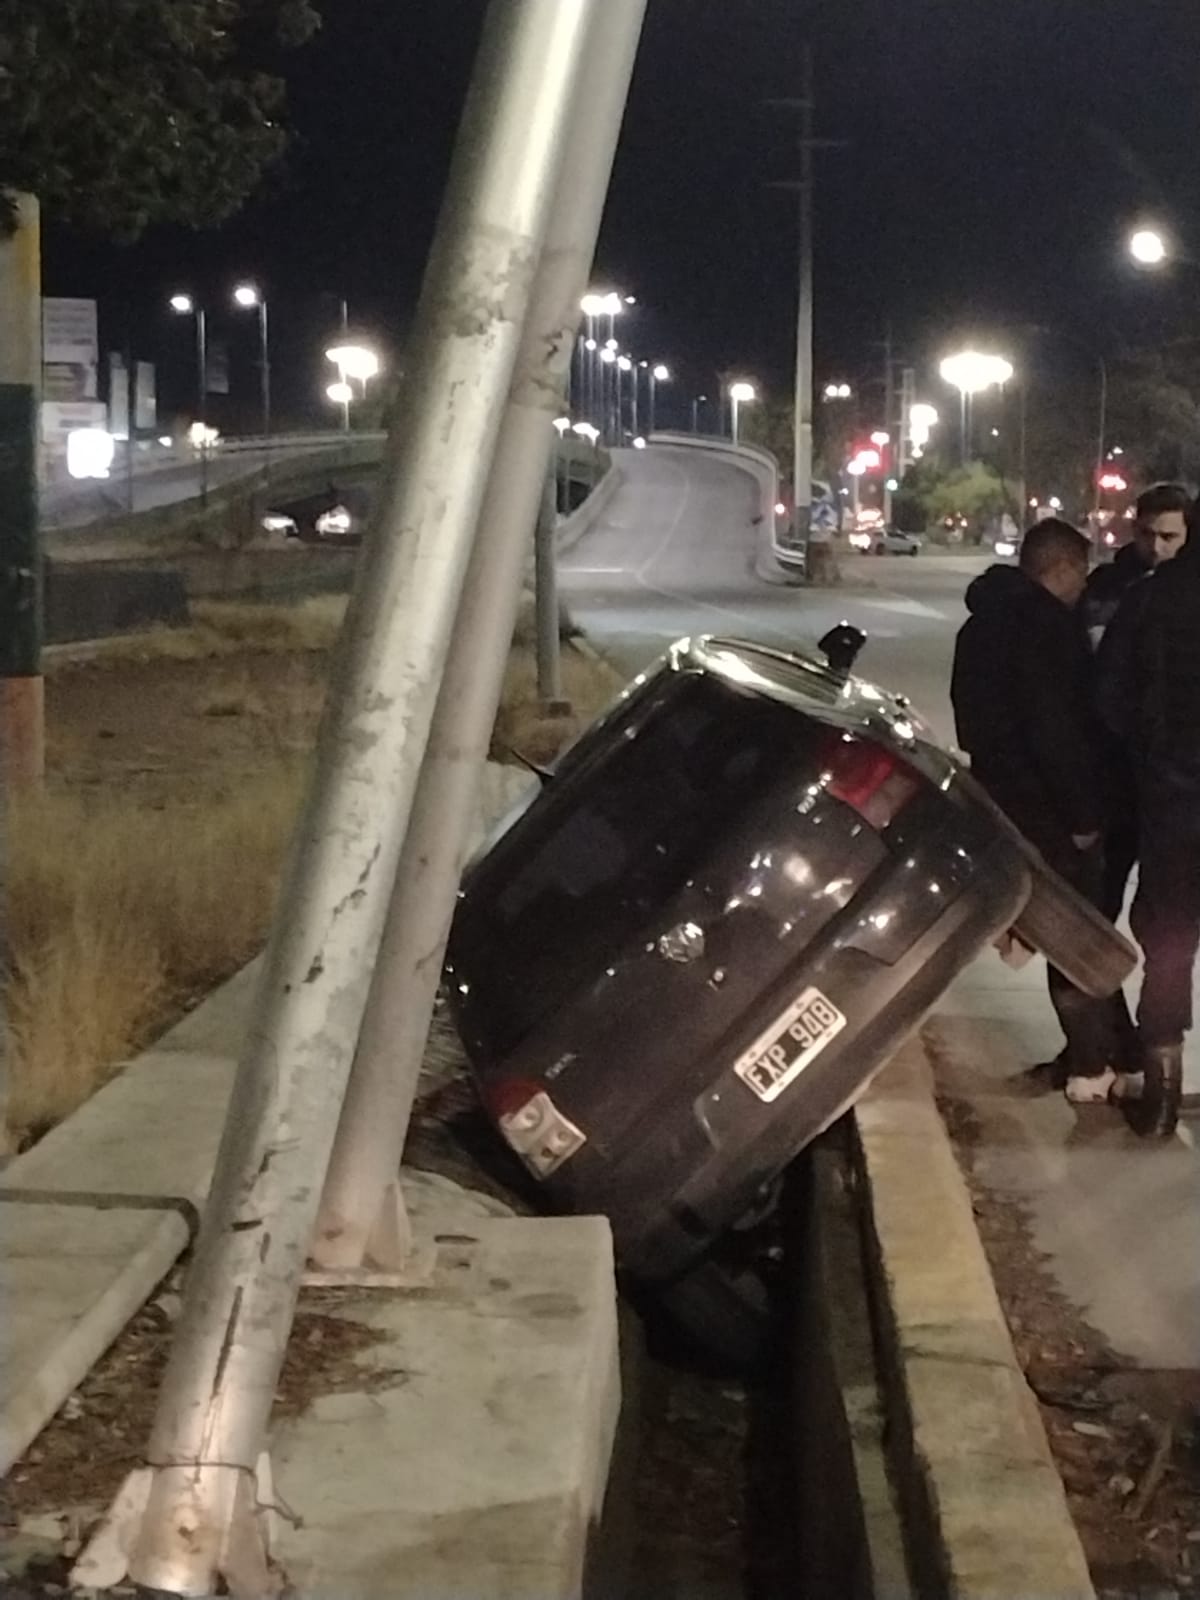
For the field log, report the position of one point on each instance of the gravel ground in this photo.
(1125, 1439)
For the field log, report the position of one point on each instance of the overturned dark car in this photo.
(728, 905)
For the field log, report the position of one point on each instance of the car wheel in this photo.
(723, 1311)
(1072, 934)
(914, 551)
(880, 549)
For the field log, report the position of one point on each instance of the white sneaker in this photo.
(1091, 1091)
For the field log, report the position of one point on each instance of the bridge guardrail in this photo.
(762, 465)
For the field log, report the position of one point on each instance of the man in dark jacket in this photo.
(1159, 532)
(1149, 696)
(1022, 693)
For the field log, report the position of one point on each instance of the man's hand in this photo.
(1085, 841)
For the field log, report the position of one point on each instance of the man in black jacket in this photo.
(1150, 698)
(1159, 532)
(1022, 693)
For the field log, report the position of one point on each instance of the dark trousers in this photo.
(1099, 1033)
(1120, 858)
(1166, 923)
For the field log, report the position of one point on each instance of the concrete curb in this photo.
(97, 1213)
(981, 1497)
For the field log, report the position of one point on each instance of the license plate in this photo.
(780, 1055)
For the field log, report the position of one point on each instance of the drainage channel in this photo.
(731, 1485)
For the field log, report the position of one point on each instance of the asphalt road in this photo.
(675, 554)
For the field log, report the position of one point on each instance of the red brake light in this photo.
(506, 1096)
(869, 777)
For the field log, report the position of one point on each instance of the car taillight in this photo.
(867, 776)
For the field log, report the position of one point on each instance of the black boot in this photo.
(1155, 1113)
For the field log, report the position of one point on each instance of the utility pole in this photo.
(199, 1522)
(22, 717)
(814, 541)
(892, 448)
(803, 443)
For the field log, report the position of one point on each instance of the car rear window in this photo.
(592, 864)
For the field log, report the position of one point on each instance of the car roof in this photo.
(850, 703)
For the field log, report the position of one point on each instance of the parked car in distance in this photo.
(891, 542)
(727, 906)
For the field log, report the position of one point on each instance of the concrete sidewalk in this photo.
(1116, 1217)
(486, 1410)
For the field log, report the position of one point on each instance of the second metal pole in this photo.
(360, 1217)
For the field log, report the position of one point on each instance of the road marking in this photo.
(593, 572)
(907, 608)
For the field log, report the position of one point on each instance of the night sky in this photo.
(997, 151)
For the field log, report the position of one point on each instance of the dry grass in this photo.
(231, 628)
(522, 726)
(119, 915)
(146, 874)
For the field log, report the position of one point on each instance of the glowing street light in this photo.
(741, 394)
(658, 374)
(603, 305)
(342, 395)
(838, 391)
(585, 430)
(183, 305)
(970, 372)
(90, 452)
(1148, 247)
(354, 361)
(247, 297)
(922, 420)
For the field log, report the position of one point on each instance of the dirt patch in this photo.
(1125, 1439)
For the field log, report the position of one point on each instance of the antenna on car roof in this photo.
(841, 647)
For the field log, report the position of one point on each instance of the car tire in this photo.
(722, 1311)
(1072, 935)
(914, 551)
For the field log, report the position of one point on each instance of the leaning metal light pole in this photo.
(201, 1514)
(360, 1219)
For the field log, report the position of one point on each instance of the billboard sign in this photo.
(70, 349)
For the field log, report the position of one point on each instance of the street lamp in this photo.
(247, 297)
(838, 391)
(625, 365)
(741, 394)
(922, 420)
(1148, 247)
(185, 306)
(341, 394)
(698, 401)
(970, 372)
(353, 361)
(658, 374)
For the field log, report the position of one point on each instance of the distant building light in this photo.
(90, 452)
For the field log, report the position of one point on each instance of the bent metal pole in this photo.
(241, 1291)
(360, 1205)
